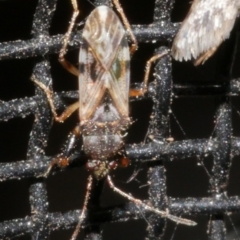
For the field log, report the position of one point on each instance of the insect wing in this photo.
(207, 24)
(119, 84)
(104, 63)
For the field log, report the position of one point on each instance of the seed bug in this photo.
(103, 96)
(207, 25)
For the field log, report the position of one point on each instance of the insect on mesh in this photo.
(197, 107)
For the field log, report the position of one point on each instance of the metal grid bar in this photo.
(222, 146)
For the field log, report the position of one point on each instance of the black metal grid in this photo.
(222, 146)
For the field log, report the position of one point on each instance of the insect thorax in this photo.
(102, 134)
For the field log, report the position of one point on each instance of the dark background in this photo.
(66, 189)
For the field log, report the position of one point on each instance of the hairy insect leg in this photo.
(142, 91)
(67, 112)
(62, 160)
(83, 212)
(134, 45)
(68, 66)
(205, 56)
(149, 208)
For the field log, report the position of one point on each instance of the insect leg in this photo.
(205, 56)
(67, 112)
(149, 208)
(66, 38)
(83, 212)
(62, 160)
(140, 92)
(134, 45)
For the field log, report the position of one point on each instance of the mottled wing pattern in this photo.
(91, 88)
(103, 62)
(207, 24)
(119, 84)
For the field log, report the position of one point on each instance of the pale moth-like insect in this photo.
(103, 97)
(207, 25)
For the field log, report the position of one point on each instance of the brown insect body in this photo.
(102, 137)
(104, 75)
(104, 88)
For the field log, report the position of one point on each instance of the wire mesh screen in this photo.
(183, 142)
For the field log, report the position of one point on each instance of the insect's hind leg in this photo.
(68, 66)
(84, 209)
(139, 92)
(139, 202)
(67, 112)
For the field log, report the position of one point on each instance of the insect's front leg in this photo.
(67, 65)
(67, 112)
(63, 159)
(139, 92)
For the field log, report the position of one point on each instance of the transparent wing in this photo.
(120, 78)
(104, 63)
(91, 88)
(207, 24)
